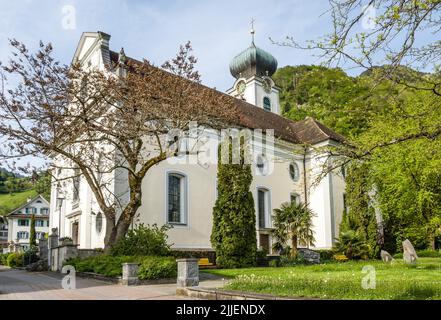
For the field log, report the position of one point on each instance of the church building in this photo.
(183, 195)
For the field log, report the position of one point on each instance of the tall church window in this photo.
(76, 185)
(176, 199)
(267, 104)
(99, 222)
(263, 207)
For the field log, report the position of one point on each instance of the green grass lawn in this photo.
(10, 202)
(341, 280)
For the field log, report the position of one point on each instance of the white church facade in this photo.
(183, 195)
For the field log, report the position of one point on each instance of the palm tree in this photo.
(352, 245)
(293, 222)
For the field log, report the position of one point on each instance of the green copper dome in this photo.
(253, 61)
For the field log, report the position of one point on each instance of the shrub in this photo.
(3, 258)
(351, 245)
(274, 263)
(233, 234)
(157, 268)
(106, 265)
(422, 254)
(151, 267)
(325, 255)
(429, 253)
(15, 260)
(287, 261)
(143, 241)
(30, 255)
(261, 254)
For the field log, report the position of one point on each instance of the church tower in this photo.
(253, 69)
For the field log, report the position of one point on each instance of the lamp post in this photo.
(59, 204)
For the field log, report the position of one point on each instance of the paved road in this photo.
(19, 284)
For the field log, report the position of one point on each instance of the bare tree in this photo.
(97, 125)
(394, 34)
(369, 33)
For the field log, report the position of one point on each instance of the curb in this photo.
(215, 294)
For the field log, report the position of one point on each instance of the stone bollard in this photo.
(43, 249)
(188, 272)
(52, 243)
(130, 274)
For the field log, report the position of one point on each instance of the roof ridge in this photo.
(24, 205)
(286, 129)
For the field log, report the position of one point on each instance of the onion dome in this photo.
(253, 61)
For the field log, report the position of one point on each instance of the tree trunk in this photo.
(110, 236)
(117, 231)
(432, 242)
(294, 250)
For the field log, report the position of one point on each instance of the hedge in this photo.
(151, 267)
(422, 254)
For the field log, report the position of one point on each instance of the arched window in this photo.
(176, 198)
(267, 104)
(294, 171)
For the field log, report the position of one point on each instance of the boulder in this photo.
(409, 253)
(309, 255)
(40, 265)
(385, 256)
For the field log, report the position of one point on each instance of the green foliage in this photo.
(325, 255)
(273, 264)
(234, 222)
(157, 268)
(15, 190)
(329, 95)
(359, 221)
(422, 254)
(32, 235)
(9, 202)
(15, 260)
(43, 185)
(4, 258)
(394, 128)
(143, 241)
(352, 245)
(106, 265)
(286, 261)
(151, 267)
(292, 223)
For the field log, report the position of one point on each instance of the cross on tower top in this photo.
(252, 30)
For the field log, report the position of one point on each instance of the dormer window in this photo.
(267, 104)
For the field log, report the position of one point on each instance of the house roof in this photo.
(308, 131)
(311, 131)
(13, 213)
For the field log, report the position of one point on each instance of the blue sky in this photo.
(154, 30)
